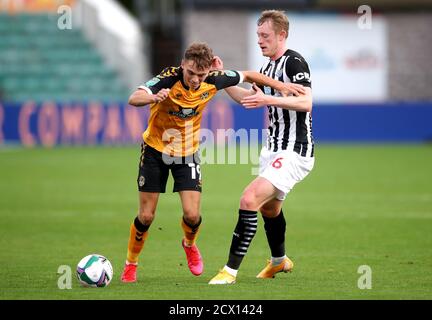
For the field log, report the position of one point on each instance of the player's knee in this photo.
(266, 212)
(191, 216)
(248, 201)
(270, 209)
(269, 212)
(146, 217)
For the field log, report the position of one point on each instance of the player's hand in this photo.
(259, 99)
(217, 63)
(161, 95)
(292, 89)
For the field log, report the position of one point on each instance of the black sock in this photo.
(275, 232)
(243, 234)
(194, 227)
(139, 226)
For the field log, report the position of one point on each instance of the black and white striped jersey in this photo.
(289, 130)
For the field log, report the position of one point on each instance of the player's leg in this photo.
(275, 227)
(285, 170)
(258, 192)
(187, 182)
(191, 219)
(152, 178)
(139, 232)
(139, 228)
(190, 223)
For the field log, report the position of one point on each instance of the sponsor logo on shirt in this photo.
(301, 76)
(184, 113)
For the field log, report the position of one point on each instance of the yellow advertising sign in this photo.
(15, 6)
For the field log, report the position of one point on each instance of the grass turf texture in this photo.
(361, 205)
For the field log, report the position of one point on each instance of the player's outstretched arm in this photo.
(284, 88)
(238, 93)
(141, 97)
(302, 103)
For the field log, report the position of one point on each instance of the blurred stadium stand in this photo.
(162, 23)
(380, 78)
(171, 25)
(40, 62)
(306, 4)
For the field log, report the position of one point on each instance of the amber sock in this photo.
(138, 234)
(190, 232)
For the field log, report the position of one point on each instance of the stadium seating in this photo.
(40, 62)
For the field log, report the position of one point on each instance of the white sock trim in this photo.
(277, 260)
(232, 272)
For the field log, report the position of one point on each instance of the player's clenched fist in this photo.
(217, 63)
(161, 95)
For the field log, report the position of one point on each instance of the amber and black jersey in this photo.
(174, 123)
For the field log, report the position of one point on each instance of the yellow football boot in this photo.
(270, 270)
(223, 277)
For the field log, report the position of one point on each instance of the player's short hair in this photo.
(279, 19)
(201, 54)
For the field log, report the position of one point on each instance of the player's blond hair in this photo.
(201, 54)
(278, 18)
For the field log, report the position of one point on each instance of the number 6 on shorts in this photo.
(277, 164)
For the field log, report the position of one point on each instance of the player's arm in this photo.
(238, 93)
(142, 97)
(302, 103)
(228, 80)
(298, 72)
(235, 92)
(155, 90)
(284, 88)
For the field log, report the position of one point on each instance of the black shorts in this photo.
(154, 167)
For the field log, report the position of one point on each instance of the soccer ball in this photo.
(94, 270)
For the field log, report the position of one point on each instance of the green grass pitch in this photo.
(361, 205)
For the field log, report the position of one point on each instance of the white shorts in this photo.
(284, 169)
